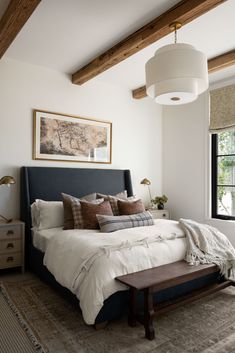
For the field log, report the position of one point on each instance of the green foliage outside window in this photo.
(226, 167)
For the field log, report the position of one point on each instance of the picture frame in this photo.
(69, 138)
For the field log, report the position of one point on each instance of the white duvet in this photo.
(88, 262)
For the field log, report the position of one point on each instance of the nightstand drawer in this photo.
(160, 214)
(10, 245)
(10, 260)
(10, 231)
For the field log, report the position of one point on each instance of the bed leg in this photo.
(101, 325)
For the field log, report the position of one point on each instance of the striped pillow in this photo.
(110, 224)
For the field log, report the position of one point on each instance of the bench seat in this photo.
(155, 279)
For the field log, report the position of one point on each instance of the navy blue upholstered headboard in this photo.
(47, 183)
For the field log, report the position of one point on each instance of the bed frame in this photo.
(47, 183)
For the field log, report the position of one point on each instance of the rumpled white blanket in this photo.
(206, 244)
(87, 263)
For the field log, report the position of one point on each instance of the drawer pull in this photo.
(10, 245)
(164, 215)
(10, 232)
(10, 258)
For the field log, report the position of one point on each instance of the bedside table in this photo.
(12, 245)
(160, 214)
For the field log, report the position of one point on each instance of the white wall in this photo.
(136, 124)
(186, 163)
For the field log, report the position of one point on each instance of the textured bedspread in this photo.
(87, 263)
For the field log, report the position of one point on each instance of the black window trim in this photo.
(214, 174)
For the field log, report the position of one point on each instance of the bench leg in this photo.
(148, 313)
(132, 307)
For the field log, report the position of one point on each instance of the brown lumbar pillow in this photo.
(68, 213)
(90, 210)
(130, 207)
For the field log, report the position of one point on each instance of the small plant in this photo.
(159, 201)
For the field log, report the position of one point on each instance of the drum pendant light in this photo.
(177, 73)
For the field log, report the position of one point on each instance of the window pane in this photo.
(226, 170)
(226, 142)
(226, 200)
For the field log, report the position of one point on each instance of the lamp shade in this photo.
(176, 74)
(145, 181)
(7, 180)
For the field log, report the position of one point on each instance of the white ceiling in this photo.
(66, 34)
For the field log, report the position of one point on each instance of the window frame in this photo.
(214, 175)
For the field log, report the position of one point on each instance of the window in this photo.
(223, 175)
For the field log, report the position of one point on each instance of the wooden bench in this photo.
(155, 279)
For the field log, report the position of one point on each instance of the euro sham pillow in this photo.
(68, 212)
(110, 224)
(77, 211)
(90, 212)
(120, 195)
(130, 207)
(47, 214)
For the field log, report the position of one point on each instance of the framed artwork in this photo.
(70, 138)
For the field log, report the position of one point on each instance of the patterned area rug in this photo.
(15, 333)
(205, 326)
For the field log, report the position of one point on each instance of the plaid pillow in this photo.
(68, 213)
(77, 212)
(111, 223)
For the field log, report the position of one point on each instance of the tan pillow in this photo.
(68, 213)
(120, 195)
(90, 210)
(129, 208)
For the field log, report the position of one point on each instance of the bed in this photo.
(47, 183)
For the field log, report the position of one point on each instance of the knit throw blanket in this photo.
(206, 244)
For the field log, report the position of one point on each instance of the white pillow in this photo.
(47, 214)
(34, 215)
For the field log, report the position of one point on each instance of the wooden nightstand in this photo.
(12, 245)
(164, 214)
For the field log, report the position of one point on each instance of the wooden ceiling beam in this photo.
(215, 64)
(12, 21)
(185, 11)
(222, 61)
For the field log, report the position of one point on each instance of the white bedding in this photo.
(41, 237)
(87, 262)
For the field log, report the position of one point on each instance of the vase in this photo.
(160, 206)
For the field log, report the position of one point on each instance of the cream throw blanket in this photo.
(206, 244)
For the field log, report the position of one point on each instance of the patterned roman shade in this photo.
(222, 106)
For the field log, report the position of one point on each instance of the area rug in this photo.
(205, 326)
(15, 334)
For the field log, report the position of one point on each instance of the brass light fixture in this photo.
(147, 182)
(7, 180)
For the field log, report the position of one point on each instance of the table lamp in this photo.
(7, 180)
(147, 182)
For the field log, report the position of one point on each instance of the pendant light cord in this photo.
(174, 26)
